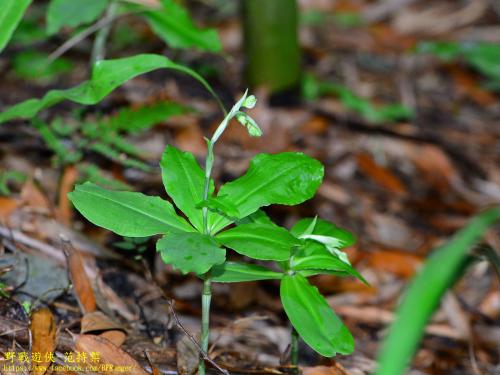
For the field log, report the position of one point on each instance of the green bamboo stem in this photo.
(271, 44)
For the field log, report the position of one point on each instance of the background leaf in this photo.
(184, 181)
(233, 272)
(136, 120)
(107, 75)
(313, 318)
(173, 24)
(11, 13)
(190, 252)
(287, 178)
(127, 213)
(438, 274)
(73, 13)
(259, 241)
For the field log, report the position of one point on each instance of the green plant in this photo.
(10, 177)
(483, 57)
(312, 247)
(312, 89)
(439, 273)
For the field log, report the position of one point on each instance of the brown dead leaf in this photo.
(96, 322)
(43, 331)
(32, 196)
(190, 138)
(81, 283)
(315, 126)
(7, 207)
(380, 175)
(403, 264)
(337, 369)
(65, 209)
(468, 85)
(108, 355)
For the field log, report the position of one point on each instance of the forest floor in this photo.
(403, 187)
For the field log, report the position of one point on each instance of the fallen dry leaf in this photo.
(399, 263)
(32, 196)
(111, 358)
(7, 207)
(380, 175)
(43, 331)
(81, 283)
(65, 208)
(337, 369)
(99, 323)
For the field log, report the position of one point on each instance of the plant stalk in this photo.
(294, 351)
(99, 47)
(206, 298)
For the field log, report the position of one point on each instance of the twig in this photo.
(193, 340)
(23, 239)
(70, 43)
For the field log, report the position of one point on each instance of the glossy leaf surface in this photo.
(190, 252)
(107, 75)
(313, 318)
(127, 213)
(259, 241)
(184, 182)
(11, 13)
(287, 178)
(233, 272)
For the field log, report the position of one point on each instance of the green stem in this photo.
(294, 351)
(99, 47)
(206, 296)
(205, 320)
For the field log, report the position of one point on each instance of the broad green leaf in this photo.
(313, 318)
(314, 256)
(173, 24)
(422, 297)
(259, 241)
(324, 228)
(288, 178)
(190, 252)
(184, 181)
(107, 75)
(11, 13)
(73, 13)
(233, 272)
(127, 213)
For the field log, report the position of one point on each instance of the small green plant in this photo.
(198, 246)
(7, 178)
(481, 56)
(312, 89)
